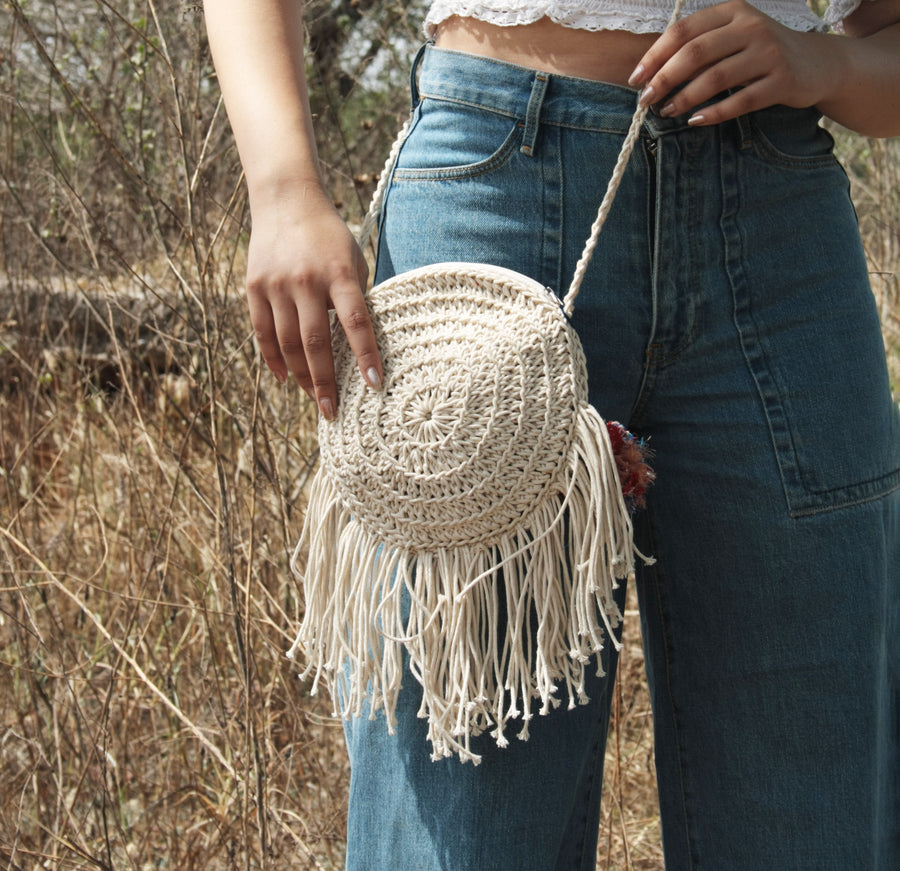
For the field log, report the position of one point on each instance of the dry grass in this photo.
(152, 476)
(150, 719)
(630, 830)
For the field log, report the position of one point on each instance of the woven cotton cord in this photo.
(618, 173)
(615, 180)
(605, 207)
(371, 218)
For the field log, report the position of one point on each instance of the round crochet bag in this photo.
(473, 516)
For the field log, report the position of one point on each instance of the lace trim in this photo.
(838, 10)
(637, 16)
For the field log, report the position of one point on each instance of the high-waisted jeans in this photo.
(727, 317)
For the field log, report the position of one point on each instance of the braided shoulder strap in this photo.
(612, 188)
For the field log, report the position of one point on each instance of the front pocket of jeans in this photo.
(791, 138)
(457, 141)
(824, 385)
(810, 334)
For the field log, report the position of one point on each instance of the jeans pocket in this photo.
(459, 193)
(811, 337)
(791, 138)
(822, 379)
(835, 430)
(457, 141)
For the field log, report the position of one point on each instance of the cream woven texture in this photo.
(478, 482)
(482, 382)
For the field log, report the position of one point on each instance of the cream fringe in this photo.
(555, 577)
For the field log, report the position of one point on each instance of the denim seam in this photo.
(779, 431)
(554, 254)
(589, 128)
(754, 359)
(667, 356)
(585, 836)
(645, 392)
(656, 356)
(813, 510)
(686, 815)
(771, 157)
(652, 349)
(446, 98)
(767, 152)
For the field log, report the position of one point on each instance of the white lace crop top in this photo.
(637, 16)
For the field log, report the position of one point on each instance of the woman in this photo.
(727, 315)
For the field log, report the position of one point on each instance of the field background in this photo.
(152, 475)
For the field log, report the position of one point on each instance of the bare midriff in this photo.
(602, 55)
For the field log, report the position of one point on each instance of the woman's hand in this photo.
(734, 45)
(854, 80)
(303, 261)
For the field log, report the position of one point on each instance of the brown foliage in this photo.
(152, 476)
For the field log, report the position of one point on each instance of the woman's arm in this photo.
(854, 79)
(302, 258)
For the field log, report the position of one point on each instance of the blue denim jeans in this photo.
(727, 317)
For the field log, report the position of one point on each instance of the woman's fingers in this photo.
(263, 322)
(747, 99)
(726, 47)
(670, 43)
(733, 72)
(710, 61)
(296, 275)
(308, 355)
(353, 314)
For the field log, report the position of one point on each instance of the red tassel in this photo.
(632, 456)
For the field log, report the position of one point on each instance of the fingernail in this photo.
(668, 109)
(646, 96)
(635, 77)
(326, 406)
(280, 377)
(373, 378)
(696, 119)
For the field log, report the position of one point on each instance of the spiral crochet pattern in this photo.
(475, 419)
(478, 483)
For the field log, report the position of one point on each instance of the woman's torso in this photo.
(594, 39)
(602, 55)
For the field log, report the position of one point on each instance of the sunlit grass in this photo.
(152, 477)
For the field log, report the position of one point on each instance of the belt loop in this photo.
(533, 112)
(744, 126)
(745, 131)
(413, 75)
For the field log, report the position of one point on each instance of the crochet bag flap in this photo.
(474, 498)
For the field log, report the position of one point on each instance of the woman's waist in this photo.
(519, 91)
(603, 56)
